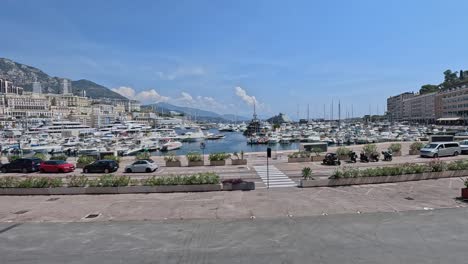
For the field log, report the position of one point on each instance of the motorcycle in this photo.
(331, 159)
(374, 157)
(352, 155)
(363, 158)
(387, 155)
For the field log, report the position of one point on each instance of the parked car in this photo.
(146, 165)
(464, 146)
(440, 149)
(102, 166)
(56, 166)
(22, 165)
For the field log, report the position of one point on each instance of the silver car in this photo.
(146, 165)
(464, 146)
(440, 149)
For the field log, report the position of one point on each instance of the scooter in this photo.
(363, 158)
(374, 157)
(331, 159)
(387, 155)
(352, 155)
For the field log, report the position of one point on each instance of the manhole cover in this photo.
(409, 198)
(21, 212)
(52, 199)
(92, 216)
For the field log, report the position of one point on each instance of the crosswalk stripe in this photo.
(276, 177)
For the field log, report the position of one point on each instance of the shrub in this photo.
(235, 155)
(171, 157)
(13, 157)
(109, 180)
(194, 156)
(370, 149)
(218, 156)
(77, 181)
(8, 182)
(416, 146)
(342, 151)
(39, 182)
(395, 147)
(86, 160)
(198, 178)
(299, 154)
(437, 166)
(317, 151)
(59, 157)
(143, 155)
(465, 182)
(41, 156)
(307, 173)
(112, 157)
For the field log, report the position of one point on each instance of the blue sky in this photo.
(223, 55)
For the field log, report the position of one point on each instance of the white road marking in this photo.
(277, 178)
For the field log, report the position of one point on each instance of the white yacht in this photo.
(171, 145)
(65, 127)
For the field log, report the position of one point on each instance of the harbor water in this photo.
(232, 142)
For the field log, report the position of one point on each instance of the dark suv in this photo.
(22, 165)
(102, 166)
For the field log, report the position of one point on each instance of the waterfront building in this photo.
(419, 108)
(395, 106)
(451, 104)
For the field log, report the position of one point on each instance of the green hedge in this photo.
(194, 156)
(30, 182)
(198, 178)
(299, 154)
(218, 156)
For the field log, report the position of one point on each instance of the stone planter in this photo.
(317, 158)
(195, 163)
(464, 193)
(294, 160)
(396, 154)
(243, 186)
(112, 190)
(381, 179)
(176, 163)
(217, 162)
(237, 162)
(414, 152)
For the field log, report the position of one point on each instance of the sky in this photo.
(226, 55)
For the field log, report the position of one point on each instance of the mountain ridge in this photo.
(24, 75)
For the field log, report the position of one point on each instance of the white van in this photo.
(440, 149)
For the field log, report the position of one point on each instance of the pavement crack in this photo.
(9, 227)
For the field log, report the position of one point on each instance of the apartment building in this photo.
(395, 106)
(420, 108)
(451, 104)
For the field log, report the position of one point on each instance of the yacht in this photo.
(65, 127)
(171, 145)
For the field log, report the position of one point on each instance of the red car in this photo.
(56, 166)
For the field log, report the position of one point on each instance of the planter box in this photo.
(217, 162)
(195, 163)
(294, 160)
(398, 153)
(173, 163)
(111, 190)
(464, 193)
(414, 152)
(243, 186)
(381, 179)
(237, 162)
(318, 158)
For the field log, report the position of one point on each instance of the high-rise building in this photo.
(66, 86)
(37, 88)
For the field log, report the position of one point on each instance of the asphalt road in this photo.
(438, 236)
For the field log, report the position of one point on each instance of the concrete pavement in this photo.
(438, 236)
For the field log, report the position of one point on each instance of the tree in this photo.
(428, 88)
(450, 78)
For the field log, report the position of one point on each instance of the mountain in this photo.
(24, 75)
(193, 113)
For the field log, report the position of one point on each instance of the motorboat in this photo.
(171, 145)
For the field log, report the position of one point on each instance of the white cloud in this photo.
(147, 96)
(250, 100)
(181, 72)
(203, 102)
(186, 97)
